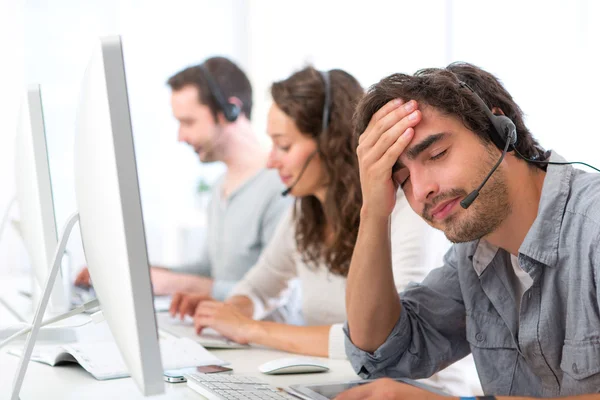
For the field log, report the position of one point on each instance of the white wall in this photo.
(12, 252)
(547, 53)
(367, 39)
(550, 64)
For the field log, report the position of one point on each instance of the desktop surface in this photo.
(73, 382)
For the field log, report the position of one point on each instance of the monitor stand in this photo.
(43, 304)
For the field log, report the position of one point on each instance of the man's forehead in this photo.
(433, 128)
(188, 90)
(434, 121)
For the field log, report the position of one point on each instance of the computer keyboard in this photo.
(233, 387)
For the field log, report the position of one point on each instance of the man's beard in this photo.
(207, 156)
(485, 214)
(212, 151)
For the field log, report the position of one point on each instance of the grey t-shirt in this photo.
(239, 228)
(550, 345)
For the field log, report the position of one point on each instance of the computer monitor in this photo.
(110, 214)
(37, 224)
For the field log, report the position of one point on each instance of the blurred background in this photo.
(547, 53)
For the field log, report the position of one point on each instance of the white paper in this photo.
(103, 359)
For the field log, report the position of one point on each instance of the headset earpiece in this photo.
(504, 129)
(230, 110)
(504, 136)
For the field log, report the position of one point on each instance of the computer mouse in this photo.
(293, 365)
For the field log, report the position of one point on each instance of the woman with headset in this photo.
(314, 150)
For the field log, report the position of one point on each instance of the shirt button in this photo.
(480, 337)
(575, 369)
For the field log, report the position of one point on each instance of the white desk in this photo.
(73, 382)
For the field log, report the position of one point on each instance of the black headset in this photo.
(231, 111)
(504, 129)
(327, 101)
(504, 136)
(324, 126)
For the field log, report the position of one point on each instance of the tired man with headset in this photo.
(519, 288)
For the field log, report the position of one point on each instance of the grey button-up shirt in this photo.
(548, 347)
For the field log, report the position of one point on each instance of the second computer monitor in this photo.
(110, 212)
(37, 223)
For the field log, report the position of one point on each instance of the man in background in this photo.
(213, 104)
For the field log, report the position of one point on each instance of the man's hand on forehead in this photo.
(387, 136)
(387, 126)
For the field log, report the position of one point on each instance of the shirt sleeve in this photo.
(428, 336)
(269, 277)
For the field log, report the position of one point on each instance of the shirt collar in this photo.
(541, 241)
(484, 254)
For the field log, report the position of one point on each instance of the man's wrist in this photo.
(372, 212)
(199, 284)
(207, 286)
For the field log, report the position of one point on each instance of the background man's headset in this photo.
(504, 136)
(231, 111)
(324, 126)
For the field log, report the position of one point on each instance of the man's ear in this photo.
(497, 111)
(236, 101)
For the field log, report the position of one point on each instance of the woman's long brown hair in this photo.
(302, 97)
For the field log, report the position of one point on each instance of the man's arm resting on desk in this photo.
(577, 397)
(392, 390)
(164, 281)
(167, 282)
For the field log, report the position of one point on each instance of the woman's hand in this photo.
(185, 303)
(225, 319)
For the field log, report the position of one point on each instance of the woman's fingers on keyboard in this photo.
(175, 301)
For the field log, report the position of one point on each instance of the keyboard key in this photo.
(233, 387)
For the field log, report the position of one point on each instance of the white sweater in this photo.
(416, 249)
